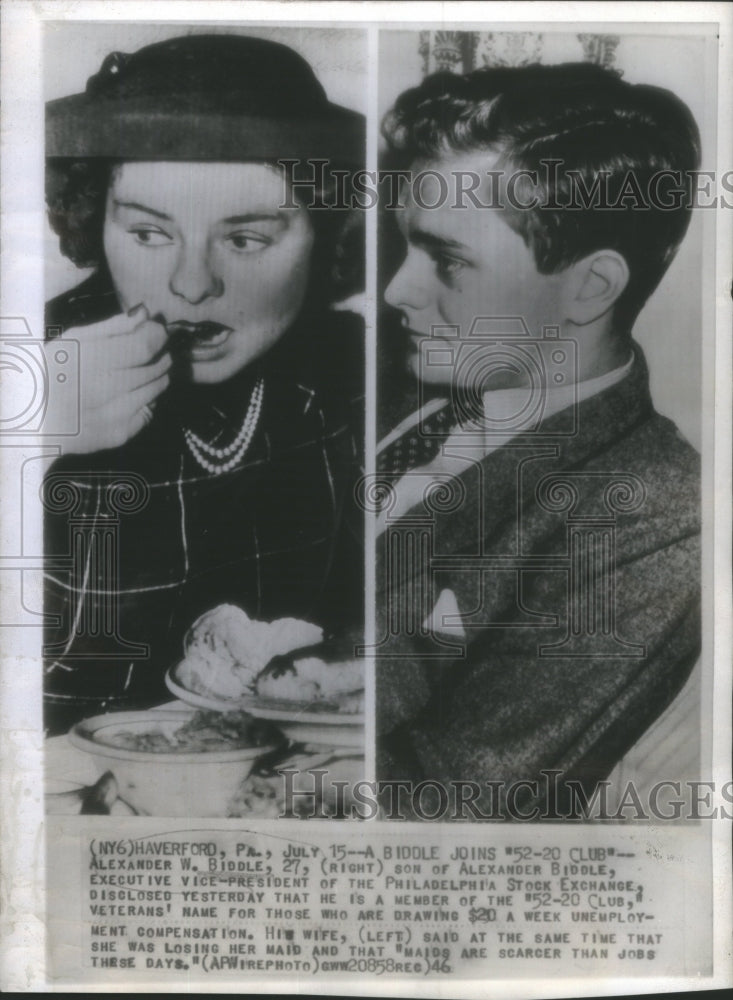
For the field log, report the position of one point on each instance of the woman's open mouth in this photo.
(199, 339)
(199, 334)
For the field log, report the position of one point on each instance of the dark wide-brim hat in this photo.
(205, 97)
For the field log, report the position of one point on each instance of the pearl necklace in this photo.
(218, 460)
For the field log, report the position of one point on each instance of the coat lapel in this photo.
(489, 488)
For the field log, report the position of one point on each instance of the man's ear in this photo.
(594, 286)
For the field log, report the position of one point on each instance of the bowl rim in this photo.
(81, 737)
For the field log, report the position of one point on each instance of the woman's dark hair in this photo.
(76, 194)
(588, 124)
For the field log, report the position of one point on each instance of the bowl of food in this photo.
(176, 763)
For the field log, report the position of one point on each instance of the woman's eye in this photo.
(148, 237)
(247, 242)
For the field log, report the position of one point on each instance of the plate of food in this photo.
(282, 671)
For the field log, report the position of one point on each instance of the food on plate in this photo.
(204, 731)
(231, 657)
(225, 650)
(313, 680)
(351, 703)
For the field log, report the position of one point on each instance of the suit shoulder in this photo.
(659, 446)
(668, 467)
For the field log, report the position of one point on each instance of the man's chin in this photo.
(426, 374)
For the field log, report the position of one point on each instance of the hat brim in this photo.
(133, 130)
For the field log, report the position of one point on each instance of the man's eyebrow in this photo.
(136, 207)
(430, 241)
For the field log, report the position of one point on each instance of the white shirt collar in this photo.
(460, 451)
(499, 403)
(506, 401)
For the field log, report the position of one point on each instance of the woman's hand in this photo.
(123, 368)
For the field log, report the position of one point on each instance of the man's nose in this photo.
(410, 287)
(194, 279)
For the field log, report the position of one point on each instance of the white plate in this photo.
(333, 736)
(278, 710)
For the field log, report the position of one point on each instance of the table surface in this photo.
(68, 768)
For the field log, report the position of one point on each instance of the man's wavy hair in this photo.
(590, 120)
(76, 195)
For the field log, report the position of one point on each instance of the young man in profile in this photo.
(538, 566)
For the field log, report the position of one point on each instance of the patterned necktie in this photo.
(419, 445)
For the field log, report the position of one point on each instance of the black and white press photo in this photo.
(204, 551)
(538, 563)
(365, 455)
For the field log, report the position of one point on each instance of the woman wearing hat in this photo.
(216, 386)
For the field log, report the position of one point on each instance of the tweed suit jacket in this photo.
(546, 676)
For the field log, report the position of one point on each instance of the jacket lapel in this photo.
(489, 488)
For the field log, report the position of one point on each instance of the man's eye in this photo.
(447, 267)
(150, 237)
(247, 242)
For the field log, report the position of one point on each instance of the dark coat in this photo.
(510, 705)
(279, 535)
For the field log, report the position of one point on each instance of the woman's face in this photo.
(207, 248)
